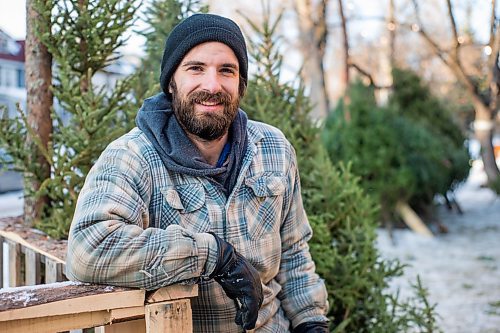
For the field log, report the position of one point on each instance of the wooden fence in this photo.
(40, 299)
(28, 264)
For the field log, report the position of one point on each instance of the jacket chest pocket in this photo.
(185, 206)
(263, 204)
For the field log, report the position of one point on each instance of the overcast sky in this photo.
(13, 17)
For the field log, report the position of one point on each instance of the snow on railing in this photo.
(68, 305)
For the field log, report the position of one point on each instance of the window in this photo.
(20, 78)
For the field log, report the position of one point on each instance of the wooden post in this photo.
(14, 264)
(169, 317)
(53, 271)
(33, 267)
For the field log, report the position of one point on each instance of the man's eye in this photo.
(195, 68)
(228, 70)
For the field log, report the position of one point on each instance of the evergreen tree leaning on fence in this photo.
(83, 39)
(342, 216)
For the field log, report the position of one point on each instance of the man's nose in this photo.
(212, 82)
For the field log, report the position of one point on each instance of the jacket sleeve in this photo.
(303, 294)
(109, 240)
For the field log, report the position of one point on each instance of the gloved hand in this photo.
(240, 281)
(312, 327)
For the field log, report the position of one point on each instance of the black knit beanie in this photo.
(195, 30)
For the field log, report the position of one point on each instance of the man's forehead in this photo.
(211, 51)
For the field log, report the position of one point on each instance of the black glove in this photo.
(312, 327)
(240, 281)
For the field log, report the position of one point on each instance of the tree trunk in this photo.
(313, 60)
(483, 130)
(387, 58)
(39, 101)
(345, 74)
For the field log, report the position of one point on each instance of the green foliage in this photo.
(413, 100)
(342, 216)
(160, 17)
(83, 39)
(416, 312)
(408, 151)
(370, 139)
(11, 129)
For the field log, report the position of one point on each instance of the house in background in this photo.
(12, 85)
(12, 91)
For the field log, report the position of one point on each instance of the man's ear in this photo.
(170, 89)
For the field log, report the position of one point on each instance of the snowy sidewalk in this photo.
(11, 204)
(461, 269)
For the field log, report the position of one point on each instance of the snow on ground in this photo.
(461, 269)
(11, 204)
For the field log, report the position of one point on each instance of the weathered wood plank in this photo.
(32, 267)
(51, 324)
(133, 326)
(63, 298)
(14, 264)
(176, 291)
(53, 271)
(169, 317)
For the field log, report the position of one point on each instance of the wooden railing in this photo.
(37, 300)
(64, 306)
(28, 264)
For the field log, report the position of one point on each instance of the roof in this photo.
(11, 49)
(14, 56)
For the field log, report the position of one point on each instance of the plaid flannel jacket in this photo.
(138, 224)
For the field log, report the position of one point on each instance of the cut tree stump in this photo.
(412, 220)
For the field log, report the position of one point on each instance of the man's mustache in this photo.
(201, 96)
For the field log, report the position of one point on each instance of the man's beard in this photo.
(205, 125)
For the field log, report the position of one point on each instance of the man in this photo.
(199, 194)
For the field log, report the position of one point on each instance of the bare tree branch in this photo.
(485, 106)
(321, 30)
(368, 75)
(493, 22)
(346, 44)
(451, 60)
(493, 78)
(451, 16)
(494, 45)
(391, 25)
